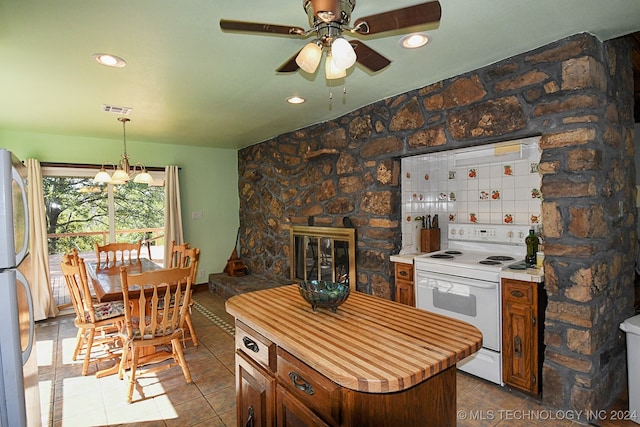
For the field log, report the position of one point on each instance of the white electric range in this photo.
(463, 282)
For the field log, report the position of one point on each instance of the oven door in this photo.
(473, 301)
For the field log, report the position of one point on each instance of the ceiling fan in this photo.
(328, 20)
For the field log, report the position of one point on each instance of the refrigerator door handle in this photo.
(27, 351)
(21, 253)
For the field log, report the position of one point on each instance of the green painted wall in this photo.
(208, 182)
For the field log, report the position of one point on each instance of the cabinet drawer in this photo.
(404, 271)
(257, 347)
(309, 387)
(516, 291)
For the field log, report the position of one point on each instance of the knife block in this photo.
(429, 239)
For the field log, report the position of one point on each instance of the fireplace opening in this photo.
(323, 253)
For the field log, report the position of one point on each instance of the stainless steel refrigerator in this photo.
(19, 396)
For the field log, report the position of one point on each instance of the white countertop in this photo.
(404, 258)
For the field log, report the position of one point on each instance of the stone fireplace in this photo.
(577, 95)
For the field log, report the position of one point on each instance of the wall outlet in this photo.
(196, 215)
(201, 274)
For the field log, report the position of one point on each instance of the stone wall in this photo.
(577, 94)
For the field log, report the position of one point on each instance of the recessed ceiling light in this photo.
(413, 41)
(109, 60)
(295, 100)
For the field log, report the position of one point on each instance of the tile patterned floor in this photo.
(164, 399)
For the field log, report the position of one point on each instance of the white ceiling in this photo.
(190, 83)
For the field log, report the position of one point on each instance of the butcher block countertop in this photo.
(369, 345)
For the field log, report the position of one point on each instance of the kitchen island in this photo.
(373, 362)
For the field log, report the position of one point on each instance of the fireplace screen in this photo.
(323, 253)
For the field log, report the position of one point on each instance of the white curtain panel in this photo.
(172, 211)
(44, 305)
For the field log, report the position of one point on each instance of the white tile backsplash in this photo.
(491, 191)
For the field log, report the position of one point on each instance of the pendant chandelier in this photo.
(124, 172)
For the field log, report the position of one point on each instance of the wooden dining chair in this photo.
(190, 259)
(110, 254)
(97, 322)
(156, 304)
(176, 254)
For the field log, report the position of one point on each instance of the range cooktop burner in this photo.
(500, 258)
(489, 262)
(441, 256)
(518, 266)
(453, 252)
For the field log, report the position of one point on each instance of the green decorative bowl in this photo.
(323, 294)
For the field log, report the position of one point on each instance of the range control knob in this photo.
(462, 231)
(453, 231)
(521, 234)
(510, 234)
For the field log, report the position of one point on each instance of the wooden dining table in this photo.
(106, 280)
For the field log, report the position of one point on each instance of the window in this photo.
(80, 212)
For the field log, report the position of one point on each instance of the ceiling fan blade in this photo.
(423, 13)
(290, 66)
(256, 27)
(368, 57)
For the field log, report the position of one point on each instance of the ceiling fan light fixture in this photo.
(309, 57)
(331, 71)
(413, 41)
(342, 53)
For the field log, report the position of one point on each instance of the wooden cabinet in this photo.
(305, 395)
(255, 380)
(372, 363)
(405, 290)
(255, 392)
(522, 324)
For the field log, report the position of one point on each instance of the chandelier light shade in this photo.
(123, 173)
(309, 57)
(342, 53)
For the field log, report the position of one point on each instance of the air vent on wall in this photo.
(116, 110)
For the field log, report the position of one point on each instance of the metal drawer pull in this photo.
(403, 273)
(250, 344)
(517, 294)
(301, 383)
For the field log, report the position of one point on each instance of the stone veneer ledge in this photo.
(577, 95)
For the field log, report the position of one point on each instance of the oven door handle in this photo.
(437, 282)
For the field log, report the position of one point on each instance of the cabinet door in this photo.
(518, 363)
(255, 394)
(293, 413)
(405, 293)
